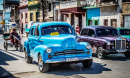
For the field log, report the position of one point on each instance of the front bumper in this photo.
(117, 51)
(63, 60)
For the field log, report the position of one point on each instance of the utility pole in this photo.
(43, 10)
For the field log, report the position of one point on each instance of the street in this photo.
(12, 64)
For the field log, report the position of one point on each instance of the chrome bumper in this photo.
(63, 60)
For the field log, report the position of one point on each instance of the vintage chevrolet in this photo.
(124, 32)
(105, 40)
(55, 42)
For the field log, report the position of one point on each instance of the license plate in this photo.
(121, 51)
(72, 59)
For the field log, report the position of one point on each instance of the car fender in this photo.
(84, 44)
(26, 47)
(41, 49)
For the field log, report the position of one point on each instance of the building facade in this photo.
(125, 16)
(11, 14)
(23, 9)
(72, 13)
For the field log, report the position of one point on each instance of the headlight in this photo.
(108, 43)
(88, 46)
(48, 50)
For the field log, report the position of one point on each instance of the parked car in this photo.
(124, 32)
(105, 40)
(55, 42)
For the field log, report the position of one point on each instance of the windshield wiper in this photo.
(63, 31)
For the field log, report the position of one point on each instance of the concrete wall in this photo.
(108, 13)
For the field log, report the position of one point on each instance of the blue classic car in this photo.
(55, 42)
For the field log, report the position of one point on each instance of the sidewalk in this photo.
(23, 39)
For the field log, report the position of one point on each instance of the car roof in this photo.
(122, 28)
(44, 24)
(99, 27)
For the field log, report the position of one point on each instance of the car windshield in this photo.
(60, 29)
(106, 32)
(125, 32)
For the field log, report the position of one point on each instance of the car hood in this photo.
(66, 41)
(125, 36)
(110, 38)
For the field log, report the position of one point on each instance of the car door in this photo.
(30, 39)
(83, 35)
(91, 38)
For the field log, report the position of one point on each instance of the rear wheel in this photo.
(100, 53)
(5, 46)
(43, 67)
(127, 54)
(87, 63)
(28, 59)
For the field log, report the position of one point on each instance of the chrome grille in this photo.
(69, 52)
(120, 44)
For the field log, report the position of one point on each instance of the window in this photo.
(26, 15)
(32, 31)
(84, 32)
(21, 16)
(91, 33)
(31, 16)
(37, 16)
(90, 22)
(37, 31)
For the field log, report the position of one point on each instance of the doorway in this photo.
(106, 22)
(114, 22)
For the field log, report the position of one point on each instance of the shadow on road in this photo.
(115, 57)
(5, 74)
(3, 58)
(13, 54)
(73, 69)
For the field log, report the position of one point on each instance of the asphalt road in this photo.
(12, 64)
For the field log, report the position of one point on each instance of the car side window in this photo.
(32, 31)
(84, 32)
(36, 30)
(91, 33)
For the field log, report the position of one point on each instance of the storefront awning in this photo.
(2, 22)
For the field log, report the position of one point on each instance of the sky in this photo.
(1, 6)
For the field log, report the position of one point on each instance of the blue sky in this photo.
(1, 6)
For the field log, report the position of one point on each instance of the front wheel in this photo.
(43, 67)
(87, 63)
(127, 54)
(100, 53)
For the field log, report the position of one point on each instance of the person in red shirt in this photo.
(15, 38)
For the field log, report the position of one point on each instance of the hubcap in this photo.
(40, 63)
(99, 52)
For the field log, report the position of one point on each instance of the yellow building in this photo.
(34, 12)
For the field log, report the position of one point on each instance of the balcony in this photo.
(33, 4)
(101, 3)
(71, 4)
